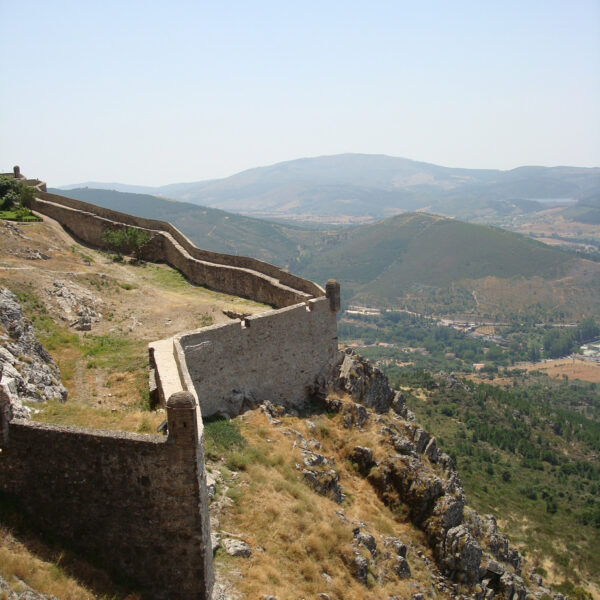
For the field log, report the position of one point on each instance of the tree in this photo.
(129, 240)
(26, 195)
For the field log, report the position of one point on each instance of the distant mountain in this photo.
(426, 263)
(353, 187)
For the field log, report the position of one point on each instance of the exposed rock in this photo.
(325, 483)
(211, 486)
(401, 567)
(431, 450)
(462, 554)
(27, 594)
(236, 547)
(367, 541)
(363, 458)
(313, 459)
(23, 359)
(403, 445)
(29, 254)
(357, 377)
(450, 511)
(12, 230)
(397, 544)
(75, 301)
(497, 544)
(354, 415)
(358, 566)
(271, 412)
(421, 439)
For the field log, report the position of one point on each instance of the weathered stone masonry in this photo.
(139, 502)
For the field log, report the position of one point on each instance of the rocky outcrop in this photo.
(350, 373)
(78, 305)
(23, 360)
(418, 477)
(26, 592)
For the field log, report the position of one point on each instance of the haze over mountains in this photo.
(352, 188)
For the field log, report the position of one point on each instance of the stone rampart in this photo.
(50, 204)
(136, 503)
(139, 502)
(276, 356)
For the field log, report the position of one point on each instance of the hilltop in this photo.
(434, 265)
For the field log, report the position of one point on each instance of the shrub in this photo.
(130, 240)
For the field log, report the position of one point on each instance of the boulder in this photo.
(236, 547)
(325, 483)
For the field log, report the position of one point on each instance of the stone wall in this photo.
(275, 356)
(139, 503)
(135, 503)
(83, 225)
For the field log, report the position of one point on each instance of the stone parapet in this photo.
(136, 502)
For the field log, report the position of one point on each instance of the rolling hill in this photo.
(210, 228)
(432, 264)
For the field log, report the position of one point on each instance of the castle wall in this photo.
(275, 356)
(135, 503)
(163, 247)
(138, 503)
(229, 260)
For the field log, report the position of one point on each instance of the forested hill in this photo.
(435, 265)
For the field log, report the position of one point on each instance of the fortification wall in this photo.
(243, 262)
(137, 503)
(162, 247)
(275, 356)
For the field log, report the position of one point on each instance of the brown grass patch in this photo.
(301, 533)
(573, 368)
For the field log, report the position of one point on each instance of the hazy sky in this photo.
(155, 92)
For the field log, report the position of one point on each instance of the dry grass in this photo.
(22, 566)
(302, 533)
(80, 415)
(572, 368)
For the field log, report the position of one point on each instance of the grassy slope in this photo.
(416, 259)
(301, 533)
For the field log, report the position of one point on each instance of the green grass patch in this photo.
(222, 436)
(115, 352)
(13, 215)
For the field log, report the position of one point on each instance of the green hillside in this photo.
(431, 264)
(417, 248)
